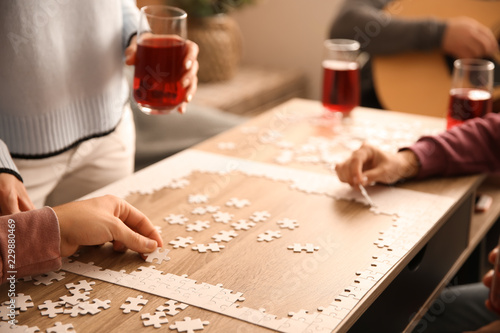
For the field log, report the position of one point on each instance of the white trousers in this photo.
(85, 168)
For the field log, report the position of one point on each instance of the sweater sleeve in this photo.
(130, 20)
(29, 243)
(6, 163)
(380, 33)
(473, 147)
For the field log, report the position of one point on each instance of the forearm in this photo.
(29, 243)
(380, 33)
(473, 147)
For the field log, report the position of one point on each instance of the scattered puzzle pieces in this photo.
(181, 242)
(82, 285)
(52, 308)
(309, 248)
(60, 328)
(261, 216)
(237, 203)
(269, 235)
(5, 312)
(170, 308)
(222, 217)
(177, 183)
(198, 226)
(47, 278)
(224, 236)
(155, 319)
(197, 198)
(212, 209)
(93, 308)
(214, 247)
(199, 211)
(243, 225)
(189, 325)
(75, 298)
(159, 254)
(176, 219)
(134, 304)
(288, 223)
(23, 302)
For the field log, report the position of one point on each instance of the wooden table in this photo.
(281, 163)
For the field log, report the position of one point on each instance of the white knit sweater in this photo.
(61, 81)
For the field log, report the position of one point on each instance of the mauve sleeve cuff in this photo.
(37, 243)
(430, 158)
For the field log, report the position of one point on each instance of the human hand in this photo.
(465, 37)
(13, 195)
(369, 164)
(488, 277)
(189, 78)
(105, 219)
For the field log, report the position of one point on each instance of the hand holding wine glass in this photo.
(165, 62)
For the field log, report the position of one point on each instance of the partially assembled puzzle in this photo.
(239, 218)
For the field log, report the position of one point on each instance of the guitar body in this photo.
(419, 82)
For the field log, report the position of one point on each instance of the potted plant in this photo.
(217, 35)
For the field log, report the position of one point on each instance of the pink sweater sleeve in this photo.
(473, 147)
(29, 243)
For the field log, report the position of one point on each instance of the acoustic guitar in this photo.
(419, 82)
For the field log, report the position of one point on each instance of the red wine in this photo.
(467, 103)
(340, 85)
(158, 71)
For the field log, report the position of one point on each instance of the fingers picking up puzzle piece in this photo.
(159, 254)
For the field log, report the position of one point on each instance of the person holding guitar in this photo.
(388, 27)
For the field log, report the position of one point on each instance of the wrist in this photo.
(409, 164)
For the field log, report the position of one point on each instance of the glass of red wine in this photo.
(341, 75)
(161, 48)
(471, 90)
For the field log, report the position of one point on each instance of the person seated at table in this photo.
(38, 239)
(473, 147)
(379, 33)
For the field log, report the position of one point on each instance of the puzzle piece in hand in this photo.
(309, 248)
(47, 278)
(5, 312)
(52, 308)
(269, 235)
(261, 216)
(155, 319)
(82, 285)
(237, 203)
(197, 198)
(222, 217)
(189, 325)
(181, 242)
(135, 304)
(159, 254)
(60, 328)
(176, 219)
(199, 211)
(198, 226)
(243, 225)
(214, 247)
(23, 302)
(171, 307)
(288, 223)
(224, 236)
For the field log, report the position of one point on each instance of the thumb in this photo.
(134, 240)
